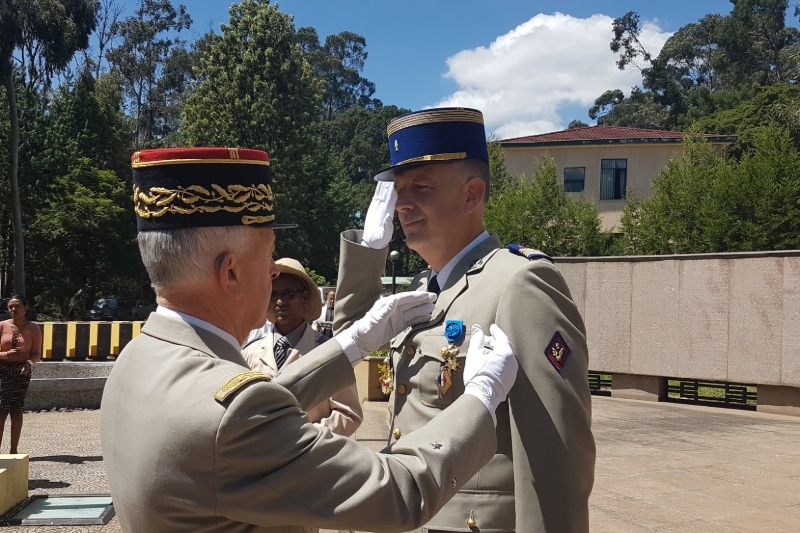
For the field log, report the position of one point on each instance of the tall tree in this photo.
(258, 91)
(339, 63)
(49, 32)
(149, 46)
(108, 14)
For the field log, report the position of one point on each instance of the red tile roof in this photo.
(598, 133)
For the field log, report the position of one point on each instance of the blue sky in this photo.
(529, 69)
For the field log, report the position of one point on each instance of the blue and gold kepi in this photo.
(194, 187)
(434, 136)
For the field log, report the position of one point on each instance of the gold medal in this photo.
(447, 368)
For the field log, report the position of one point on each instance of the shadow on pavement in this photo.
(34, 484)
(70, 459)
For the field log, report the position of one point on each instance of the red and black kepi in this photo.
(193, 187)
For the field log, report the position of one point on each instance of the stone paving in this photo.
(660, 467)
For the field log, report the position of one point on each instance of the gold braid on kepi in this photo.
(431, 136)
(195, 187)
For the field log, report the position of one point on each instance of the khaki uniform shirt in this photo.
(193, 441)
(542, 474)
(341, 413)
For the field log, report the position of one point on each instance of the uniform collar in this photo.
(293, 336)
(447, 269)
(199, 323)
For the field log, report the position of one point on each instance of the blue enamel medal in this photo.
(454, 330)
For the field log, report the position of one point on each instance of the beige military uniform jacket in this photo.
(542, 474)
(193, 441)
(341, 413)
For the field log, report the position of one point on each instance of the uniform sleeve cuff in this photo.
(354, 354)
(485, 395)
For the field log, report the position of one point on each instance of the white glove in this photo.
(387, 318)
(379, 225)
(490, 369)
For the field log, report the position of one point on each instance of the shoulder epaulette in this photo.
(528, 253)
(237, 382)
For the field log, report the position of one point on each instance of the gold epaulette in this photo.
(237, 382)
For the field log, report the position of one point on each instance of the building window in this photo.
(613, 179)
(573, 179)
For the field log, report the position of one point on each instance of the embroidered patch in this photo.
(558, 352)
(454, 330)
(237, 382)
(528, 253)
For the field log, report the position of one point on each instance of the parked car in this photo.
(4, 310)
(119, 309)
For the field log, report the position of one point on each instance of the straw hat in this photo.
(293, 267)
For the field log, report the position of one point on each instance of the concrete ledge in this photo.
(66, 384)
(71, 369)
(778, 400)
(636, 387)
(13, 480)
(69, 385)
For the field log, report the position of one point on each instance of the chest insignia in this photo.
(557, 352)
(237, 382)
(447, 368)
(454, 330)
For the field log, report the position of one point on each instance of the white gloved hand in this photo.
(379, 223)
(387, 318)
(490, 369)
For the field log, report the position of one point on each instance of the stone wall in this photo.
(717, 317)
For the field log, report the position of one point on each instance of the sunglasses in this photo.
(285, 296)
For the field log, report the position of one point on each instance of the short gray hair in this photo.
(184, 256)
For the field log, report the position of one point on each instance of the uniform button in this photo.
(410, 350)
(396, 433)
(401, 389)
(392, 341)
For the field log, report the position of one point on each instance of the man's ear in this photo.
(476, 190)
(229, 276)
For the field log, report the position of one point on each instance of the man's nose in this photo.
(403, 203)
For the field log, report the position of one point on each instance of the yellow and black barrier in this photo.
(83, 340)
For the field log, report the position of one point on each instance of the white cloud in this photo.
(525, 76)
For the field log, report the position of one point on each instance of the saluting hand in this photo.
(379, 222)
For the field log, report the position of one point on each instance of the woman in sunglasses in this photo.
(20, 349)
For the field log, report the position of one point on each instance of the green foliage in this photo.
(541, 215)
(639, 110)
(259, 92)
(499, 178)
(82, 239)
(319, 280)
(577, 124)
(744, 112)
(705, 201)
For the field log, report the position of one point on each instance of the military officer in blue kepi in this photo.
(193, 440)
(541, 476)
